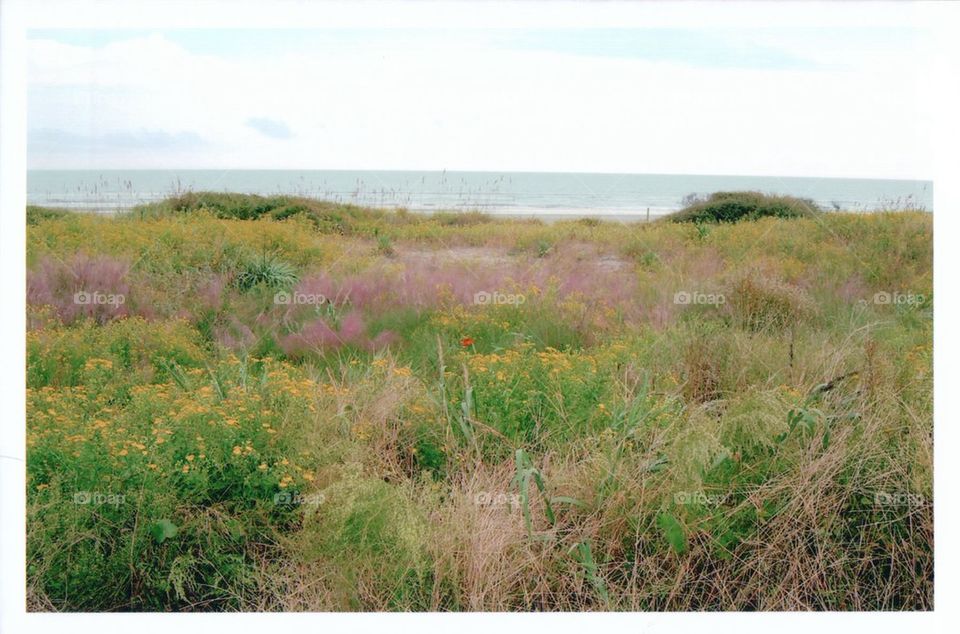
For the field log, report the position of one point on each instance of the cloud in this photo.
(270, 127)
(467, 101)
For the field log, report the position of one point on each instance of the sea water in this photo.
(508, 193)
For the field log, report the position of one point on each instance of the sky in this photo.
(785, 101)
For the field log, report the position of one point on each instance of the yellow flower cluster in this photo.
(170, 431)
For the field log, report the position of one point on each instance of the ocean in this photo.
(508, 193)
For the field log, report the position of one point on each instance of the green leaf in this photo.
(548, 511)
(581, 553)
(525, 501)
(163, 530)
(542, 487)
(673, 532)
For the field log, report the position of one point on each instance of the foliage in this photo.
(736, 206)
(178, 480)
(310, 406)
(36, 214)
(267, 270)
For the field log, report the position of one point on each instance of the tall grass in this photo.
(674, 417)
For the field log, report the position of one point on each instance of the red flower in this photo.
(466, 342)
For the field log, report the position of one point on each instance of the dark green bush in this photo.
(736, 206)
(328, 217)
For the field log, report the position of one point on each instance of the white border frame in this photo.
(943, 87)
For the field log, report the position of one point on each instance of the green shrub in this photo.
(268, 271)
(384, 245)
(36, 215)
(736, 206)
(326, 216)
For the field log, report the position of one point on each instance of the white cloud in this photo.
(470, 106)
(271, 128)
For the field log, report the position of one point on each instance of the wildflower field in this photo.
(244, 403)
